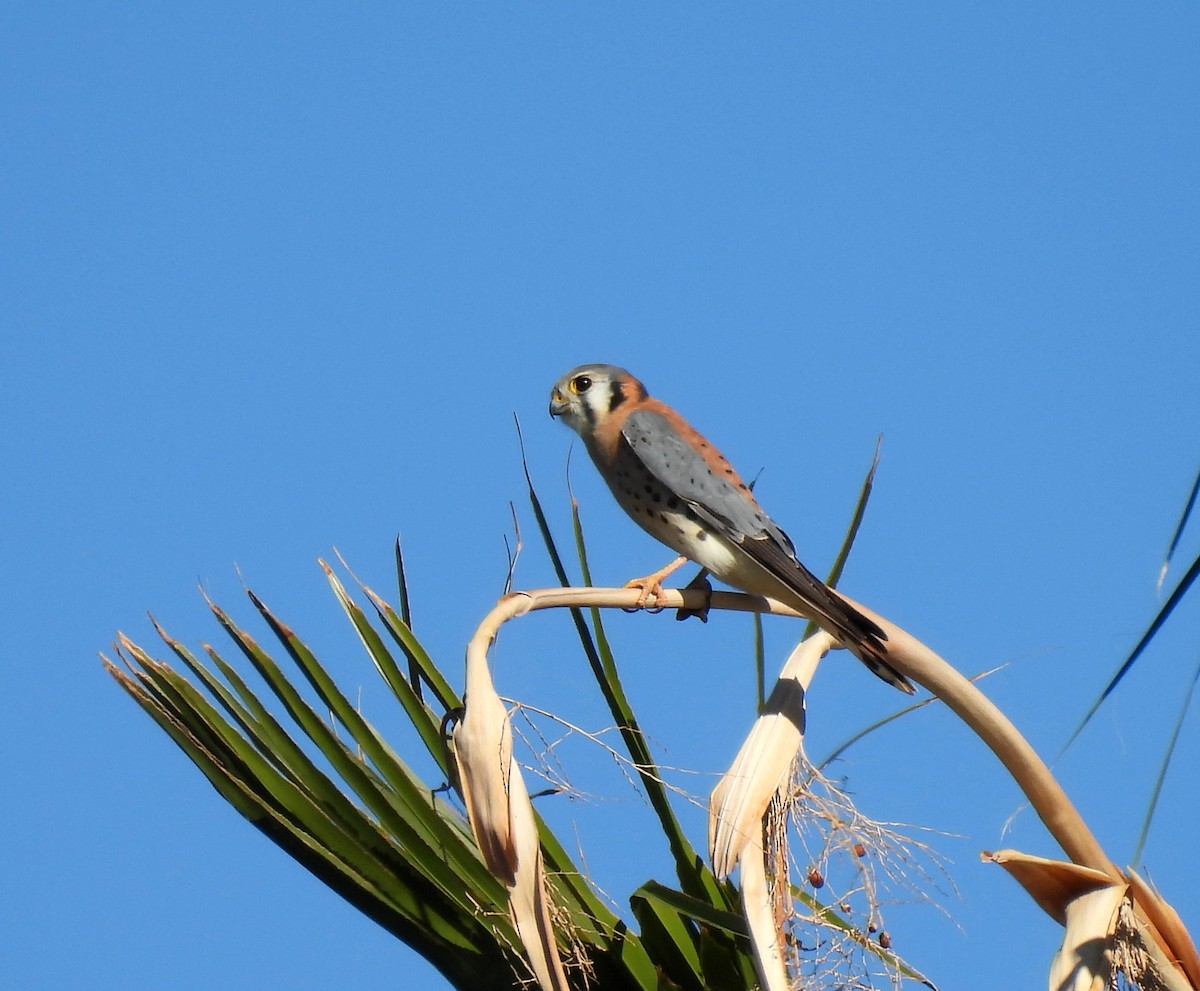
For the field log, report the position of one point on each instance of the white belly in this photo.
(687, 537)
(726, 563)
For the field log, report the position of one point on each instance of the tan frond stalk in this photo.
(738, 805)
(501, 814)
(758, 906)
(1085, 960)
(915, 660)
(1107, 926)
(763, 764)
(909, 656)
(912, 658)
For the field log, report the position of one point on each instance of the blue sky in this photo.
(274, 280)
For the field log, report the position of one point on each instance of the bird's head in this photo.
(586, 396)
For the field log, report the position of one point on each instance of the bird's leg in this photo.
(651, 585)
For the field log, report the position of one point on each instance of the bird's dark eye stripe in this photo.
(616, 397)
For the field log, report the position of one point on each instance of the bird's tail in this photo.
(872, 652)
(783, 576)
(864, 638)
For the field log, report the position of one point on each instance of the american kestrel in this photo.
(681, 490)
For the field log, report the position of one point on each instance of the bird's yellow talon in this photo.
(650, 590)
(651, 585)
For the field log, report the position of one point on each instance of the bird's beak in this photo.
(558, 405)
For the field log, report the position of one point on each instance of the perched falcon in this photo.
(682, 490)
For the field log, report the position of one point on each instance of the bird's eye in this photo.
(580, 384)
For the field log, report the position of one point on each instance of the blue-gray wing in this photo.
(719, 502)
(710, 492)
